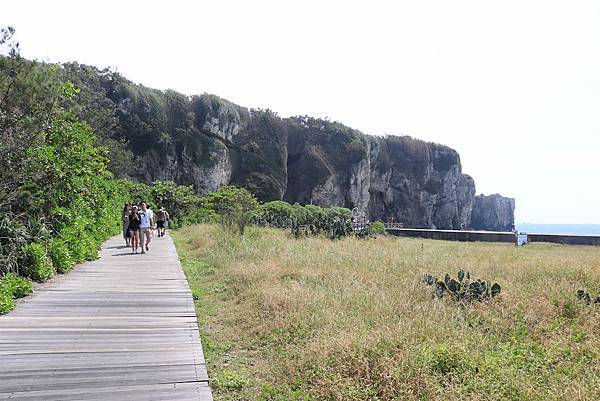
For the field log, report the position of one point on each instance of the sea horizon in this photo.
(558, 228)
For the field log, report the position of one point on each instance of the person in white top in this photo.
(146, 223)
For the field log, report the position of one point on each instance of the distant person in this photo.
(134, 229)
(125, 219)
(152, 220)
(162, 217)
(146, 224)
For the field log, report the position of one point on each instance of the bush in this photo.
(17, 286)
(59, 254)
(236, 207)
(377, 227)
(6, 301)
(38, 265)
(13, 236)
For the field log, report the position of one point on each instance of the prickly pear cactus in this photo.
(463, 290)
(586, 297)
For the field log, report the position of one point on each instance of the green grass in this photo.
(313, 319)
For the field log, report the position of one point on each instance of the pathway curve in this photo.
(122, 327)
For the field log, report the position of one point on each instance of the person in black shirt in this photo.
(134, 229)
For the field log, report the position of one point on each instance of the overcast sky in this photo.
(514, 86)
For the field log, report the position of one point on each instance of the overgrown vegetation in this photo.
(58, 199)
(313, 319)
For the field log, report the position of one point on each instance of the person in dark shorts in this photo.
(134, 229)
(161, 221)
(125, 218)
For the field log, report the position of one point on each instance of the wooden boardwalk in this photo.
(122, 327)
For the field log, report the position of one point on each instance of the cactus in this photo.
(428, 279)
(440, 288)
(463, 289)
(586, 297)
(496, 289)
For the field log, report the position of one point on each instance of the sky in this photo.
(513, 86)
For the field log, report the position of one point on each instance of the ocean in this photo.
(578, 229)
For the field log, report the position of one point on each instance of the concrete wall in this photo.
(565, 239)
(455, 235)
(493, 236)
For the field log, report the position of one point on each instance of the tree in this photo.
(29, 97)
(236, 207)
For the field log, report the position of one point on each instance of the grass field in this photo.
(313, 319)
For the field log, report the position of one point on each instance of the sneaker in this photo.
(147, 248)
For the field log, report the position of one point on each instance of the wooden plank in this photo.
(122, 327)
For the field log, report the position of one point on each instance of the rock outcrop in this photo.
(208, 142)
(493, 213)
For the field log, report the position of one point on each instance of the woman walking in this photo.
(134, 229)
(125, 218)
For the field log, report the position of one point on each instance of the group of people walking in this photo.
(139, 222)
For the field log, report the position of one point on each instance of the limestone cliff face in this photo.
(493, 212)
(208, 142)
(417, 183)
(420, 184)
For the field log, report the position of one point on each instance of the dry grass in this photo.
(312, 319)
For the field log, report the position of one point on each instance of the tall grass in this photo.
(313, 319)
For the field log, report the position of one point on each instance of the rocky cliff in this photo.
(208, 142)
(493, 212)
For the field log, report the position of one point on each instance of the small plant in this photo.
(6, 301)
(15, 285)
(38, 265)
(59, 254)
(378, 227)
(463, 289)
(585, 296)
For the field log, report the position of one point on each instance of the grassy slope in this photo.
(312, 319)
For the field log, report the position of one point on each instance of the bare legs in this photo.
(135, 240)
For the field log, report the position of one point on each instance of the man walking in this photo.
(146, 223)
(161, 221)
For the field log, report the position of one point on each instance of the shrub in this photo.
(59, 254)
(15, 285)
(38, 265)
(13, 236)
(178, 200)
(236, 207)
(463, 289)
(378, 227)
(6, 301)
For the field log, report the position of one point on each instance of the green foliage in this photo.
(236, 207)
(15, 285)
(59, 254)
(463, 289)
(37, 264)
(6, 301)
(176, 199)
(13, 236)
(378, 227)
(306, 220)
(230, 380)
(280, 214)
(585, 296)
